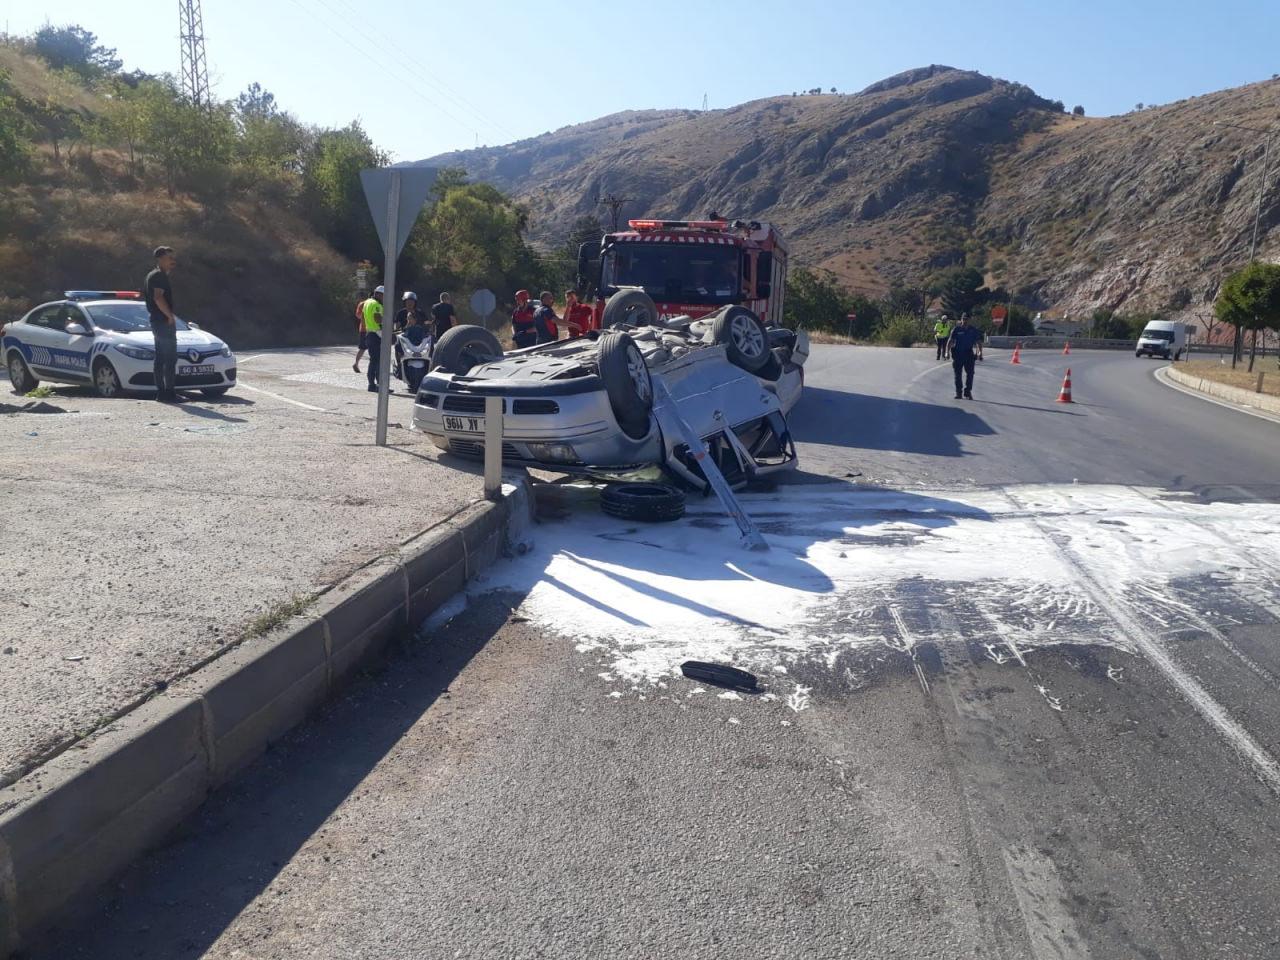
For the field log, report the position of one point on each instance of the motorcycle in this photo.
(415, 360)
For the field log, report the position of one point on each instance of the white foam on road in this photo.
(848, 566)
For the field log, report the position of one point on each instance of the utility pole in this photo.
(195, 68)
(704, 103)
(1238, 347)
(614, 204)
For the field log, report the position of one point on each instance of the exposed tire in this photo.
(20, 375)
(650, 502)
(772, 368)
(105, 380)
(744, 336)
(214, 392)
(721, 675)
(627, 382)
(633, 307)
(463, 347)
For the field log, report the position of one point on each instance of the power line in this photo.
(195, 67)
(615, 206)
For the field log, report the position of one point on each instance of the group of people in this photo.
(962, 344)
(410, 321)
(532, 325)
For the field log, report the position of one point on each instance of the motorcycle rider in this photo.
(402, 320)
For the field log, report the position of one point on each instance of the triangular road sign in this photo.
(415, 186)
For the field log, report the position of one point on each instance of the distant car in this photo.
(591, 405)
(103, 339)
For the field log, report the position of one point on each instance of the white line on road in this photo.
(247, 359)
(276, 396)
(1264, 765)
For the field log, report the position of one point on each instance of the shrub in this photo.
(900, 330)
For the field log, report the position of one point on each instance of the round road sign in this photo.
(483, 303)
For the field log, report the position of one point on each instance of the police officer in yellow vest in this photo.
(942, 334)
(371, 312)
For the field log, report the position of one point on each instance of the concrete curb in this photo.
(1223, 391)
(73, 823)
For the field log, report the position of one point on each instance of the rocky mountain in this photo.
(936, 166)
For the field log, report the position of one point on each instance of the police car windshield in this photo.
(124, 317)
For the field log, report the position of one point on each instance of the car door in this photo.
(42, 335)
(77, 347)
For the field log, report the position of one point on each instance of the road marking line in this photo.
(276, 396)
(1163, 377)
(247, 359)
(1264, 765)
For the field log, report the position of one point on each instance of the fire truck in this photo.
(689, 267)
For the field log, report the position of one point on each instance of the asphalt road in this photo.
(1021, 680)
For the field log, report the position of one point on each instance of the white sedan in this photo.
(104, 339)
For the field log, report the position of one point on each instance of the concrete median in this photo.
(77, 820)
(1223, 391)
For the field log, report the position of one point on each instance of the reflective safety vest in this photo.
(942, 329)
(372, 316)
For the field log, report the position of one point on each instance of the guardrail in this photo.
(1097, 343)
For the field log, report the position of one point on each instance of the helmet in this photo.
(379, 289)
(522, 294)
(410, 295)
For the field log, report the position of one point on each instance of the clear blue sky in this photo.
(430, 77)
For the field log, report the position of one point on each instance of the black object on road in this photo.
(643, 501)
(720, 675)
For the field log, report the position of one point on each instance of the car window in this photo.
(73, 314)
(124, 317)
(49, 317)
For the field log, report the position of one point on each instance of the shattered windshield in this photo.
(685, 273)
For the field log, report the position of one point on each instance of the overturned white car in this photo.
(587, 405)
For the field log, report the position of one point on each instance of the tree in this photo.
(957, 287)
(1139, 105)
(331, 191)
(255, 103)
(1077, 111)
(77, 49)
(15, 133)
(1250, 300)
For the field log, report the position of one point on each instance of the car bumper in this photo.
(221, 376)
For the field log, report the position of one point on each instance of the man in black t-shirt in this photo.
(442, 315)
(164, 323)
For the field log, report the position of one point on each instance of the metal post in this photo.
(388, 306)
(492, 448)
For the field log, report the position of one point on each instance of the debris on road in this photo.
(653, 502)
(721, 675)
(31, 406)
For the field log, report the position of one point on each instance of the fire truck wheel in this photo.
(633, 307)
(462, 347)
(745, 339)
(626, 381)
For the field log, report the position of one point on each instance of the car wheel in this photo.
(650, 502)
(627, 382)
(20, 374)
(744, 337)
(632, 307)
(214, 392)
(105, 380)
(1138, 354)
(772, 368)
(463, 347)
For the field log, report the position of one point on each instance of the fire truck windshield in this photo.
(675, 272)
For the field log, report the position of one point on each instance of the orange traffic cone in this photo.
(1064, 395)
(1066, 348)
(1017, 353)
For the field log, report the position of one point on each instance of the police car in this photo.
(103, 338)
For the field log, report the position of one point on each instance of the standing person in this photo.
(359, 335)
(545, 319)
(443, 315)
(965, 346)
(164, 323)
(942, 333)
(577, 316)
(522, 329)
(371, 311)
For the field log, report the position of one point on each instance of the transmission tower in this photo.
(195, 68)
(615, 206)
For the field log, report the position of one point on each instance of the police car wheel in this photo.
(20, 376)
(105, 380)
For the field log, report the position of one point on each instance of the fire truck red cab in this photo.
(691, 267)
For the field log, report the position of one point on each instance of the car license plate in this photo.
(464, 424)
(190, 371)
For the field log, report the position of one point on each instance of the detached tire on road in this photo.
(648, 502)
(463, 347)
(744, 336)
(633, 307)
(627, 382)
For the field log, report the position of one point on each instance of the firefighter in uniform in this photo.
(523, 331)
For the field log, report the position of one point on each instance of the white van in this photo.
(1163, 338)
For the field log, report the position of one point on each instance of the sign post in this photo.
(851, 317)
(396, 195)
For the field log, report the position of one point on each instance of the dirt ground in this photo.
(1219, 370)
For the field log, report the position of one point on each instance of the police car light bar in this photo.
(678, 224)
(102, 294)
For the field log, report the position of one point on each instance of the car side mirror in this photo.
(193, 325)
(77, 330)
